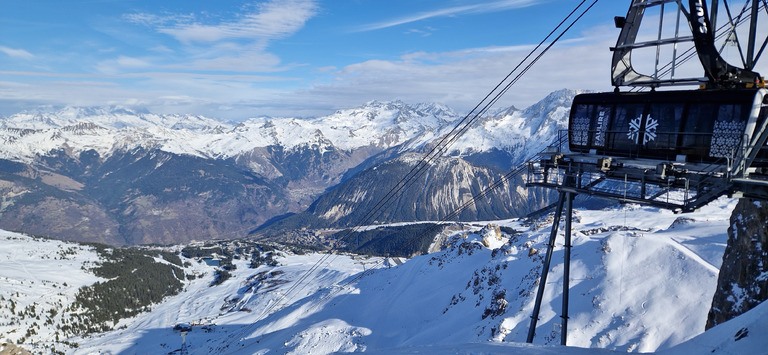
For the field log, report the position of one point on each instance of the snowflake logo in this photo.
(634, 129)
(650, 129)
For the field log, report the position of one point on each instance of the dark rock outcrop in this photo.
(743, 280)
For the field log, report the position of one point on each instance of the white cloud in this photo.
(461, 79)
(271, 20)
(424, 33)
(121, 64)
(16, 53)
(246, 61)
(452, 11)
(152, 20)
(210, 43)
(161, 49)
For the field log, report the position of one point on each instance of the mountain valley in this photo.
(124, 177)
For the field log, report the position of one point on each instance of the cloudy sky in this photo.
(236, 59)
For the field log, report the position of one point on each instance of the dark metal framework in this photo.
(681, 187)
(677, 186)
(671, 32)
(566, 197)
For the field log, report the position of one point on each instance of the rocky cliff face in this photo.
(443, 186)
(743, 280)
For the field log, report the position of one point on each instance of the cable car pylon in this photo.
(565, 198)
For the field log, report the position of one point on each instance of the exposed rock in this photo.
(498, 305)
(743, 280)
(681, 221)
(491, 235)
(120, 176)
(11, 349)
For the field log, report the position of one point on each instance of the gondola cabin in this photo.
(703, 126)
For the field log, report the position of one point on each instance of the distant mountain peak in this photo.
(559, 98)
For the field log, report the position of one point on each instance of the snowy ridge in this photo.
(384, 125)
(378, 124)
(520, 132)
(39, 276)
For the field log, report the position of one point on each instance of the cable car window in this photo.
(697, 131)
(624, 131)
(728, 130)
(662, 126)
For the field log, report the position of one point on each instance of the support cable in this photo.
(440, 148)
(445, 142)
(451, 137)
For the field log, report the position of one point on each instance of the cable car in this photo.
(704, 126)
(712, 125)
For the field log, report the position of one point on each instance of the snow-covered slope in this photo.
(114, 168)
(444, 186)
(744, 334)
(519, 132)
(642, 280)
(38, 279)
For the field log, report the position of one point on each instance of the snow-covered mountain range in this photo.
(376, 124)
(642, 284)
(109, 129)
(121, 176)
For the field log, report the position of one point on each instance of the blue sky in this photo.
(235, 59)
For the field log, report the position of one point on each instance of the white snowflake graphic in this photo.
(650, 129)
(634, 129)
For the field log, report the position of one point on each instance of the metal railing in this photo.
(670, 184)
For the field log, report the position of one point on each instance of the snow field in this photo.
(642, 280)
(38, 279)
